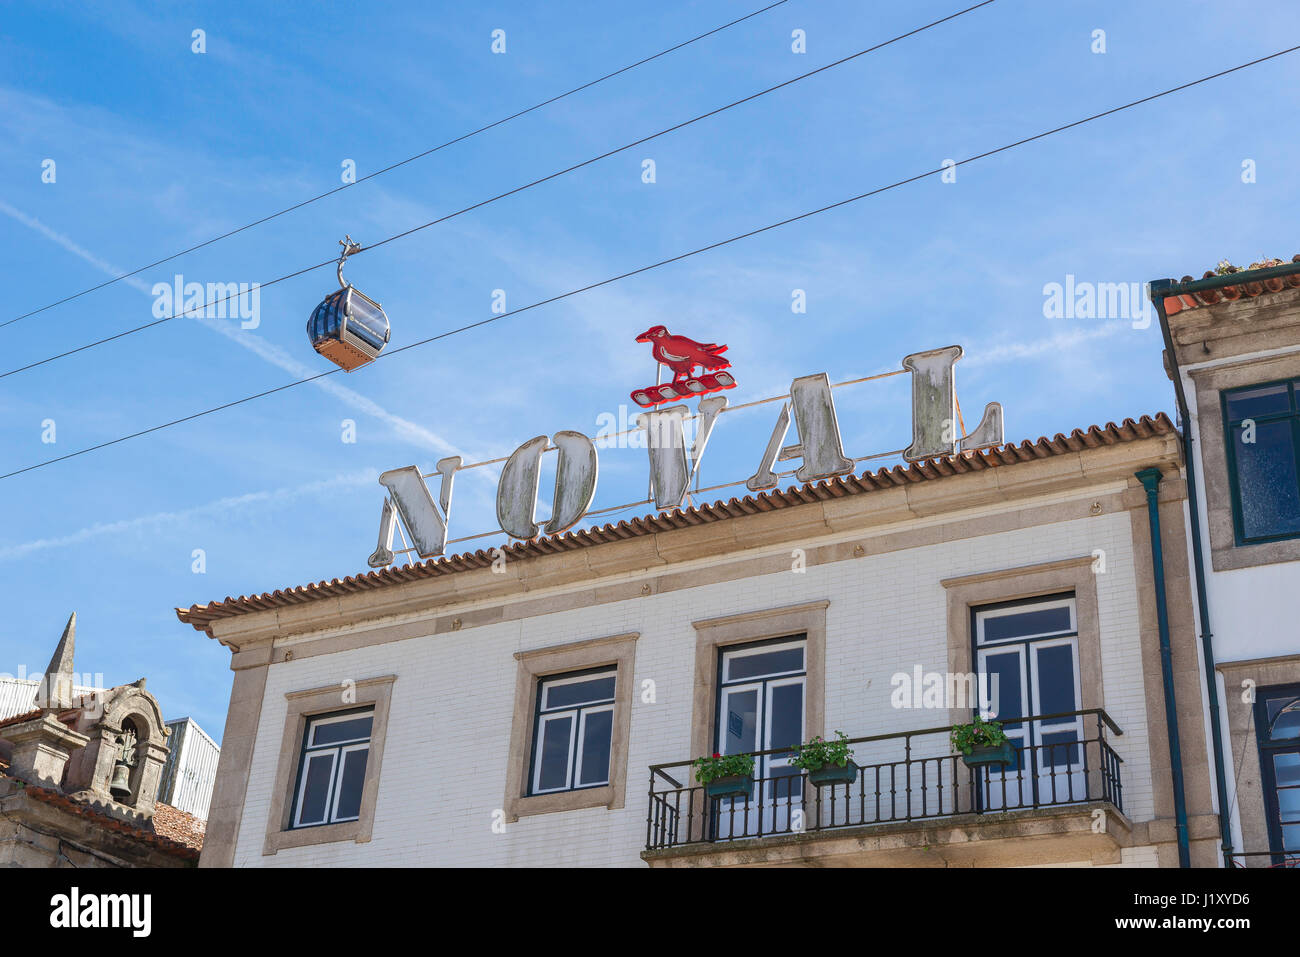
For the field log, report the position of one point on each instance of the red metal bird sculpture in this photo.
(683, 355)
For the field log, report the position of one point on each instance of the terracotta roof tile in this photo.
(163, 843)
(179, 826)
(1247, 289)
(202, 616)
(20, 718)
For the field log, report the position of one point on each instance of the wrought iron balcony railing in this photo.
(905, 776)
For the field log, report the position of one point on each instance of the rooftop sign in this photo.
(809, 408)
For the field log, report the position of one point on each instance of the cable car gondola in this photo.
(348, 328)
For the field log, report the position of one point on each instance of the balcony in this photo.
(914, 803)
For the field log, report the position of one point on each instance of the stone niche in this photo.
(107, 721)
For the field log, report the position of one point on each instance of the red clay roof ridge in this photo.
(1129, 430)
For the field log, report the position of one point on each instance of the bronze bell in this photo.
(120, 786)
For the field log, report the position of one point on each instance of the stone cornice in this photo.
(806, 515)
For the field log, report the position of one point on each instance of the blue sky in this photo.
(157, 148)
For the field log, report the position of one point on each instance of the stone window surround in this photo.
(1225, 553)
(1075, 575)
(538, 663)
(713, 634)
(307, 704)
(1244, 742)
(1028, 581)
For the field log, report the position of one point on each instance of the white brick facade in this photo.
(445, 759)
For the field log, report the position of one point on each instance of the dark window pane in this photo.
(1288, 800)
(1003, 686)
(354, 775)
(554, 759)
(367, 322)
(316, 794)
(1055, 679)
(336, 731)
(596, 731)
(579, 692)
(1291, 837)
(1060, 749)
(740, 722)
(764, 663)
(1036, 621)
(1266, 480)
(1257, 401)
(787, 715)
(1284, 718)
(1286, 768)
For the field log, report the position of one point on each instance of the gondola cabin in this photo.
(349, 329)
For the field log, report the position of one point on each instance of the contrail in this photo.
(260, 347)
(221, 507)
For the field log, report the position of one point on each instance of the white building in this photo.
(544, 710)
(191, 768)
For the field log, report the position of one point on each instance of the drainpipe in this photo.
(1150, 479)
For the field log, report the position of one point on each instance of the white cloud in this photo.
(224, 508)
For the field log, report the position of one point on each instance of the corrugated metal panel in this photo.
(191, 768)
(18, 695)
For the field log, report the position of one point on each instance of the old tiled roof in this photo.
(167, 845)
(1246, 289)
(179, 826)
(20, 718)
(202, 616)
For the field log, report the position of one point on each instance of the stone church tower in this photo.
(81, 783)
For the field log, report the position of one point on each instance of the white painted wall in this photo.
(444, 764)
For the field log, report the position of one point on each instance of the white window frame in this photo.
(336, 752)
(728, 656)
(578, 722)
(1031, 733)
(981, 616)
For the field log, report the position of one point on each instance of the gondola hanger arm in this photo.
(349, 248)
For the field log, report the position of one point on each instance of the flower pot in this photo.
(831, 774)
(733, 785)
(990, 755)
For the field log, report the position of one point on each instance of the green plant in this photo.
(1225, 268)
(723, 766)
(818, 753)
(978, 734)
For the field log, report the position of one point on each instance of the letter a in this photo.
(819, 431)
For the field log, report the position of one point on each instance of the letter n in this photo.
(409, 498)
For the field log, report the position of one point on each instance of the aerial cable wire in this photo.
(500, 196)
(393, 166)
(664, 262)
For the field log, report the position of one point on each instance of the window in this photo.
(1029, 651)
(575, 725)
(1277, 723)
(1263, 441)
(332, 769)
(761, 707)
